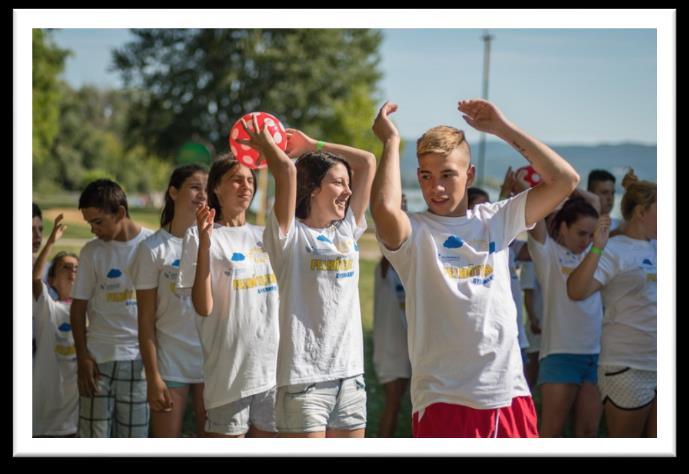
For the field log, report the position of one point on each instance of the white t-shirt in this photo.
(55, 392)
(240, 336)
(103, 280)
(529, 281)
(156, 265)
(569, 327)
(321, 336)
(627, 269)
(390, 353)
(517, 294)
(462, 320)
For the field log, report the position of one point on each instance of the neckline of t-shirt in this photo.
(319, 229)
(447, 219)
(138, 236)
(217, 225)
(171, 235)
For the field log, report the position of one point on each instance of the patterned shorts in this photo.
(119, 408)
(627, 388)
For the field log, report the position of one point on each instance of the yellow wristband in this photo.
(596, 250)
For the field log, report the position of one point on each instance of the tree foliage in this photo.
(193, 84)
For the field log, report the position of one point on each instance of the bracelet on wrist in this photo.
(319, 145)
(596, 250)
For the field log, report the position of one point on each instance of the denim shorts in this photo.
(568, 368)
(234, 418)
(310, 407)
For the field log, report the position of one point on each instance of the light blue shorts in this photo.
(173, 384)
(235, 418)
(568, 368)
(309, 407)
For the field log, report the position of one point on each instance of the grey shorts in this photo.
(235, 418)
(627, 388)
(335, 404)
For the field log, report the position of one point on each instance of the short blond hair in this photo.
(442, 140)
(639, 193)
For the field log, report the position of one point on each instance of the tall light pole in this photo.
(482, 144)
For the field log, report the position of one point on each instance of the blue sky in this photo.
(564, 86)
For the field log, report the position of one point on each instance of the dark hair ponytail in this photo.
(572, 210)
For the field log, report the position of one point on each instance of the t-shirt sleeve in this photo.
(187, 264)
(86, 281)
(145, 268)
(44, 307)
(508, 219)
(539, 251)
(276, 243)
(607, 267)
(357, 230)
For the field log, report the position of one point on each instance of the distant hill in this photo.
(614, 158)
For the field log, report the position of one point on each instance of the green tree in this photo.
(196, 83)
(48, 63)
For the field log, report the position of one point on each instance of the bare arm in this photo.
(580, 283)
(158, 395)
(87, 369)
(282, 169)
(392, 223)
(201, 295)
(39, 264)
(559, 178)
(529, 296)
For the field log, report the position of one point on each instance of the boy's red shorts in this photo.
(444, 420)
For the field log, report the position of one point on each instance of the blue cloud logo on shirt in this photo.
(453, 242)
(647, 262)
(491, 247)
(323, 238)
(65, 327)
(114, 273)
(175, 264)
(238, 257)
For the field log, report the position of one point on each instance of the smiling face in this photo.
(329, 200)
(191, 195)
(444, 180)
(64, 276)
(235, 190)
(577, 237)
(104, 225)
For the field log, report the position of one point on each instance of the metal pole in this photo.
(482, 144)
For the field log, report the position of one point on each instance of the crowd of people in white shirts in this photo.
(261, 326)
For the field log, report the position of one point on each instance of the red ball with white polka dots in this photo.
(529, 176)
(244, 153)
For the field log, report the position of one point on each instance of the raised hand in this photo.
(298, 143)
(602, 232)
(482, 115)
(259, 140)
(58, 230)
(383, 127)
(205, 217)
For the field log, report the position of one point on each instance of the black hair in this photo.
(36, 211)
(220, 166)
(311, 169)
(104, 194)
(474, 192)
(599, 176)
(573, 209)
(177, 179)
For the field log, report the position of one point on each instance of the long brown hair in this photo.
(220, 166)
(311, 169)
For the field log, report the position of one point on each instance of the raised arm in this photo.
(39, 264)
(580, 283)
(392, 223)
(559, 178)
(282, 169)
(201, 294)
(363, 164)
